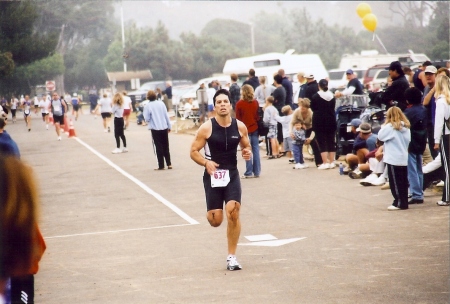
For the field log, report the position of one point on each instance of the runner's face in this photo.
(223, 105)
(55, 96)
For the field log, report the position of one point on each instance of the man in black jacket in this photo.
(311, 86)
(252, 80)
(287, 85)
(396, 92)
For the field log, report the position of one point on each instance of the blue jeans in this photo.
(415, 175)
(297, 150)
(253, 166)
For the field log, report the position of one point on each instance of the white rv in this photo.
(370, 58)
(269, 64)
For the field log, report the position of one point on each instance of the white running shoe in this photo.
(116, 151)
(380, 181)
(305, 165)
(323, 167)
(440, 184)
(59, 138)
(232, 263)
(369, 179)
(298, 166)
(331, 165)
(106, 131)
(124, 150)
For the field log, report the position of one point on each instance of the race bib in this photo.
(220, 178)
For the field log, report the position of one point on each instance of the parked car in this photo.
(370, 73)
(140, 94)
(378, 81)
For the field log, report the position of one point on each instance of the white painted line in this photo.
(274, 243)
(140, 184)
(260, 237)
(113, 231)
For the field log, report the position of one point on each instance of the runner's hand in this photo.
(246, 154)
(211, 166)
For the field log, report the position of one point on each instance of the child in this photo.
(285, 122)
(117, 110)
(396, 136)
(270, 114)
(297, 146)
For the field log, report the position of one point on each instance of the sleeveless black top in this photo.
(222, 144)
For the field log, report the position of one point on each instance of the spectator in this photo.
(442, 132)
(311, 86)
(287, 85)
(365, 142)
(202, 98)
(127, 107)
(105, 106)
(252, 79)
(417, 116)
(396, 136)
(270, 114)
(235, 91)
(285, 123)
(279, 96)
(210, 92)
(418, 78)
(118, 110)
(247, 112)
(324, 124)
(429, 102)
(354, 86)
(297, 146)
(395, 93)
(7, 145)
(168, 93)
(443, 71)
(409, 75)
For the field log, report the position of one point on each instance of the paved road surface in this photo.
(119, 232)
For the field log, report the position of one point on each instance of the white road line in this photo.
(141, 184)
(113, 231)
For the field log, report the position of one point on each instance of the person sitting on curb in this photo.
(365, 142)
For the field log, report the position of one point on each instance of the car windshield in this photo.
(337, 75)
(372, 72)
(383, 74)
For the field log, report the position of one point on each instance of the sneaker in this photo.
(109, 129)
(440, 184)
(386, 186)
(369, 179)
(379, 181)
(323, 167)
(46, 126)
(442, 203)
(331, 165)
(246, 176)
(305, 165)
(232, 263)
(356, 174)
(393, 208)
(347, 170)
(59, 137)
(415, 201)
(106, 131)
(124, 150)
(298, 166)
(116, 151)
(291, 161)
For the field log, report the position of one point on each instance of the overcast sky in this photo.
(184, 16)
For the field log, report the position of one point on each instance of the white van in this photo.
(370, 58)
(269, 64)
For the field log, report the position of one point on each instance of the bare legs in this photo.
(215, 218)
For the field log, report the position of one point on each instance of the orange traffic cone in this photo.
(66, 125)
(72, 129)
(50, 118)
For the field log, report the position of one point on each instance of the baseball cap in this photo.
(395, 66)
(309, 76)
(364, 128)
(349, 71)
(431, 69)
(355, 122)
(75, 95)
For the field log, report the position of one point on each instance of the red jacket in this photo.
(247, 112)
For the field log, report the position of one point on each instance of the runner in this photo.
(36, 104)
(105, 110)
(44, 104)
(58, 110)
(220, 137)
(26, 104)
(14, 105)
(75, 105)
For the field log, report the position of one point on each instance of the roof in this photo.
(126, 76)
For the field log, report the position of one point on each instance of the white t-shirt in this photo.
(14, 103)
(44, 104)
(105, 105)
(211, 92)
(126, 103)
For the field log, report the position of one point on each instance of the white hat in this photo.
(75, 95)
(309, 76)
(431, 69)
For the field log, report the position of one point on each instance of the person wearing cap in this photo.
(324, 124)
(354, 86)
(301, 89)
(417, 116)
(7, 145)
(429, 102)
(75, 105)
(312, 86)
(418, 78)
(394, 93)
(365, 142)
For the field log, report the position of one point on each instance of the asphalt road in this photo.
(119, 232)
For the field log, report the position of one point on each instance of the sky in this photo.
(185, 16)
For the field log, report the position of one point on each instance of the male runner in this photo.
(220, 137)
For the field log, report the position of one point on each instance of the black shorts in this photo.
(216, 197)
(58, 119)
(106, 115)
(44, 114)
(36, 106)
(76, 107)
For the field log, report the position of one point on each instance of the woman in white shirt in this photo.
(442, 131)
(105, 110)
(117, 110)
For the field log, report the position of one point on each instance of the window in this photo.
(338, 75)
(266, 63)
(383, 74)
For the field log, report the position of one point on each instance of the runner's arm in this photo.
(246, 148)
(199, 142)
